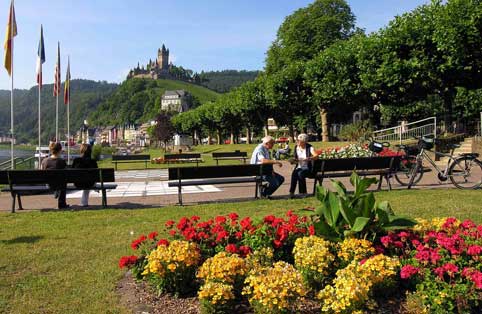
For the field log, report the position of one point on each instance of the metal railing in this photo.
(19, 163)
(407, 131)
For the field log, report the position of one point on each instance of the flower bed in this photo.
(352, 151)
(350, 256)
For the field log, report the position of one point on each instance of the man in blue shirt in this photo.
(261, 156)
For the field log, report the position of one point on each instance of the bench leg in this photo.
(314, 186)
(104, 198)
(13, 203)
(387, 177)
(115, 166)
(179, 194)
(20, 207)
(256, 190)
(145, 165)
(380, 180)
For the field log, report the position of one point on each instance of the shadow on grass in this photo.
(25, 239)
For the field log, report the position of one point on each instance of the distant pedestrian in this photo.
(85, 161)
(261, 156)
(283, 151)
(54, 161)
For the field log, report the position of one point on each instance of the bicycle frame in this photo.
(423, 155)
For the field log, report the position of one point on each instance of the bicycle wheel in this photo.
(407, 169)
(466, 173)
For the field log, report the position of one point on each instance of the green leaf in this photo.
(334, 211)
(368, 205)
(347, 212)
(360, 224)
(323, 229)
(339, 188)
(363, 185)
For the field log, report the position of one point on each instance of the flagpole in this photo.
(68, 114)
(11, 100)
(39, 95)
(57, 119)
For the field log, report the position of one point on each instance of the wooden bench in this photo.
(230, 156)
(363, 166)
(176, 158)
(186, 176)
(35, 182)
(130, 158)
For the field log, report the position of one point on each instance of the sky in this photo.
(106, 38)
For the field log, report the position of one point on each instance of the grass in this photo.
(205, 151)
(66, 262)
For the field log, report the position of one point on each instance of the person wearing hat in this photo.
(261, 156)
(304, 153)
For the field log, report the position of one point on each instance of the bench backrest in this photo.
(362, 163)
(182, 156)
(3, 177)
(219, 171)
(59, 177)
(130, 157)
(230, 154)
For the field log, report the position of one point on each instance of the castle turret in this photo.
(163, 58)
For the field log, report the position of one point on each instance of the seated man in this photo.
(261, 156)
(283, 151)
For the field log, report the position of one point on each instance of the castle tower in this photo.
(163, 58)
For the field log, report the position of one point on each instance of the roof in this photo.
(179, 92)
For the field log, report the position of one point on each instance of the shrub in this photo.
(216, 298)
(172, 268)
(354, 131)
(276, 289)
(313, 259)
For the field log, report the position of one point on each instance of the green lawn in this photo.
(205, 151)
(66, 262)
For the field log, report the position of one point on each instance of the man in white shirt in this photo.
(261, 156)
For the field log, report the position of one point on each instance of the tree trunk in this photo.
(193, 137)
(248, 136)
(291, 129)
(218, 137)
(325, 133)
(448, 98)
(232, 138)
(209, 139)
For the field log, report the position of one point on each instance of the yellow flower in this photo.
(223, 267)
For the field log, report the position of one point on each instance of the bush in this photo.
(96, 152)
(355, 131)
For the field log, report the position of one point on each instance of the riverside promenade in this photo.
(148, 189)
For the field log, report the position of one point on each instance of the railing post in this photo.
(400, 131)
(435, 127)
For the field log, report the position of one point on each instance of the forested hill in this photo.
(224, 81)
(139, 100)
(86, 96)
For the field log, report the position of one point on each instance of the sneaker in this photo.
(292, 195)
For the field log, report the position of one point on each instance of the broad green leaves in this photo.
(356, 214)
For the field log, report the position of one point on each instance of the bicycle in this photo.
(464, 171)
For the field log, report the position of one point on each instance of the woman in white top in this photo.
(304, 153)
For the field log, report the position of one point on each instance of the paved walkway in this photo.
(148, 188)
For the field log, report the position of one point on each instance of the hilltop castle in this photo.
(160, 68)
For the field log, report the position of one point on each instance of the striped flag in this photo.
(8, 45)
(67, 85)
(57, 82)
(40, 57)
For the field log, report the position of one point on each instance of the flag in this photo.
(57, 83)
(11, 32)
(67, 85)
(40, 57)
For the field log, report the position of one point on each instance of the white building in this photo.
(176, 100)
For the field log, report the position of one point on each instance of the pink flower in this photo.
(474, 250)
(408, 271)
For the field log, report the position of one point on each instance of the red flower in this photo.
(244, 250)
(476, 277)
(136, 243)
(195, 218)
(127, 261)
(220, 219)
(246, 223)
(233, 216)
(172, 233)
(408, 271)
(152, 235)
(311, 230)
(231, 248)
(163, 242)
(269, 219)
(277, 244)
(170, 223)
